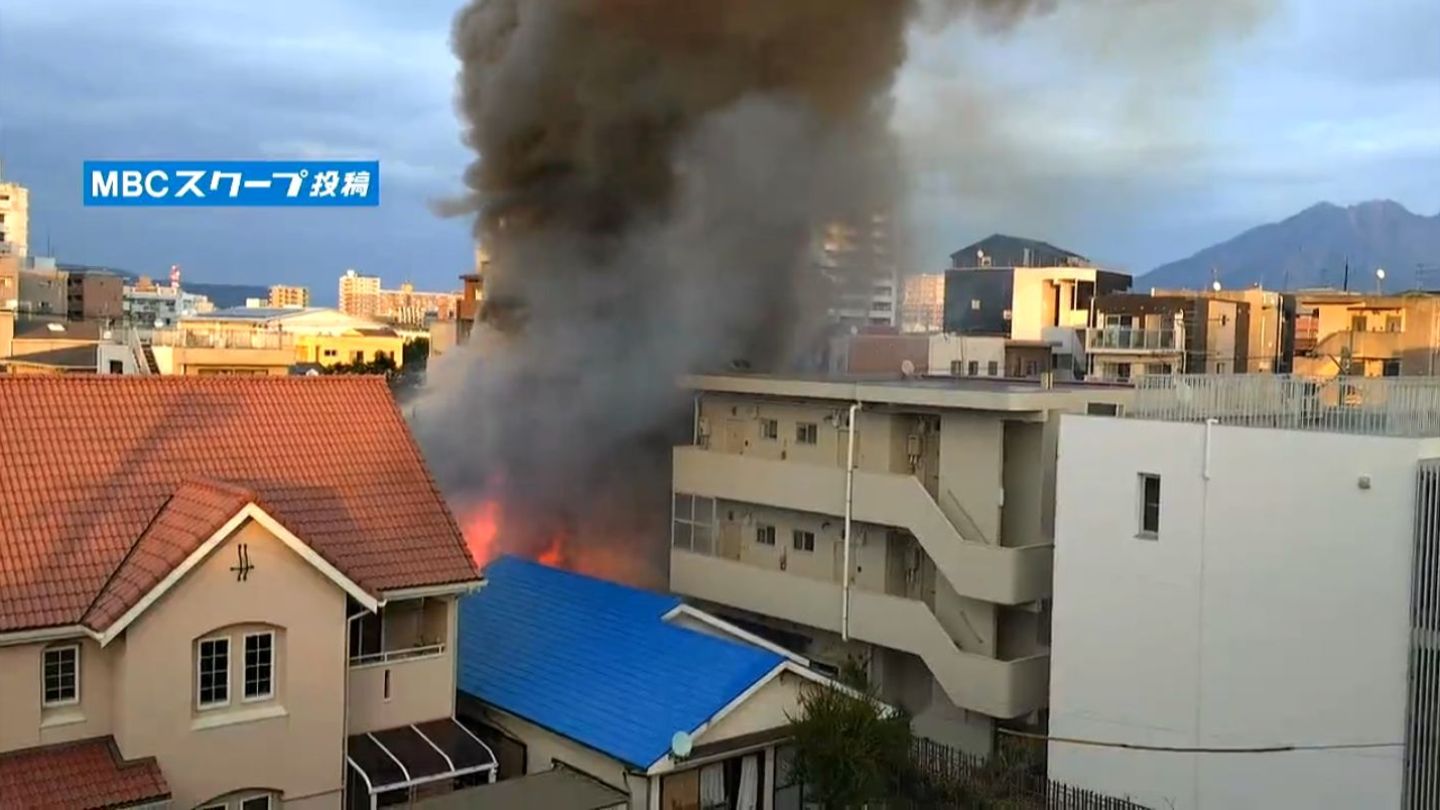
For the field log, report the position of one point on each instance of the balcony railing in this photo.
(182, 338)
(1375, 406)
(1125, 338)
(394, 656)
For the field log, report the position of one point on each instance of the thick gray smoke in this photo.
(649, 179)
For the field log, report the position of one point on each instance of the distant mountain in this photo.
(1311, 249)
(221, 295)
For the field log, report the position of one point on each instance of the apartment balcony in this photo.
(191, 339)
(991, 686)
(1007, 575)
(402, 665)
(1365, 345)
(1127, 340)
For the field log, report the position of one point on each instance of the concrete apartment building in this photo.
(285, 296)
(1249, 561)
(1270, 342)
(14, 219)
(359, 295)
(1346, 333)
(951, 501)
(857, 257)
(94, 295)
(1138, 334)
(216, 605)
(146, 305)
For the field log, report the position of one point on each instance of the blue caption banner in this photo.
(215, 183)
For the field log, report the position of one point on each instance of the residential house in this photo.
(1270, 344)
(224, 593)
(670, 706)
(1344, 333)
(47, 346)
(949, 509)
(1142, 334)
(1245, 591)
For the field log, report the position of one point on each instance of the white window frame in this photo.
(795, 535)
(229, 664)
(269, 801)
(807, 433)
(244, 667)
(48, 704)
(1141, 531)
(769, 429)
(768, 529)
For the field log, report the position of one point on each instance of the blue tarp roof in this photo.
(595, 662)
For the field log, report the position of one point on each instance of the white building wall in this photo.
(1271, 610)
(948, 350)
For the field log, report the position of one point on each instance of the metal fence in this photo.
(1380, 406)
(974, 781)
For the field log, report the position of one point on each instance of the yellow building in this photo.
(248, 340)
(1346, 333)
(14, 219)
(285, 296)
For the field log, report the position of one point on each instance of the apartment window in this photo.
(694, 524)
(1122, 372)
(769, 429)
(975, 304)
(1149, 505)
(807, 433)
(117, 367)
(62, 675)
(993, 368)
(957, 368)
(255, 803)
(329, 353)
(1357, 323)
(259, 666)
(212, 666)
(1164, 368)
(1392, 323)
(802, 540)
(765, 535)
(974, 368)
(1390, 368)
(1032, 368)
(366, 630)
(1102, 409)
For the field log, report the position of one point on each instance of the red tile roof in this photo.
(78, 776)
(87, 464)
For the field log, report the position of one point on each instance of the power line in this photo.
(1180, 749)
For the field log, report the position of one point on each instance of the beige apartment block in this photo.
(951, 500)
(1340, 333)
(285, 296)
(1142, 334)
(206, 609)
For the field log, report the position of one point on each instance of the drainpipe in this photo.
(695, 422)
(849, 509)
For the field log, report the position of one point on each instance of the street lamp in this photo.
(1215, 285)
(1379, 280)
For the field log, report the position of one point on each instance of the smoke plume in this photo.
(650, 177)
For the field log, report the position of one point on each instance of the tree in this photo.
(850, 748)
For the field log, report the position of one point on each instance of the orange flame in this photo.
(489, 531)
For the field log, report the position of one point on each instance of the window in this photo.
(957, 368)
(1392, 323)
(1149, 505)
(769, 429)
(993, 368)
(1102, 409)
(765, 535)
(259, 666)
(365, 631)
(694, 523)
(975, 304)
(1032, 368)
(1390, 368)
(1164, 368)
(1122, 371)
(807, 433)
(1357, 323)
(256, 803)
(802, 540)
(117, 367)
(213, 667)
(974, 368)
(62, 676)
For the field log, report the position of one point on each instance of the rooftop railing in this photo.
(221, 340)
(1378, 406)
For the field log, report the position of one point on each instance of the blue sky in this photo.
(1135, 137)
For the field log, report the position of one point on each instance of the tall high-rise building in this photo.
(359, 295)
(285, 296)
(858, 259)
(14, 219)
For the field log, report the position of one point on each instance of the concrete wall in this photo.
(1271, 610)
(293, 743)
(948, 350)
(738, 523)
(24, 723)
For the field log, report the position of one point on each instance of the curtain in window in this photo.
(749, 790)
(712, 787)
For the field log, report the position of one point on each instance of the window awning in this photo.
(407, 756)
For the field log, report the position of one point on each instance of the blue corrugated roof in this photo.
(595, 661)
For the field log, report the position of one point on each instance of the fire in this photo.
(482, 537)
(490, 531)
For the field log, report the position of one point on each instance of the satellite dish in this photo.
(907, 368)
(681, 745)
